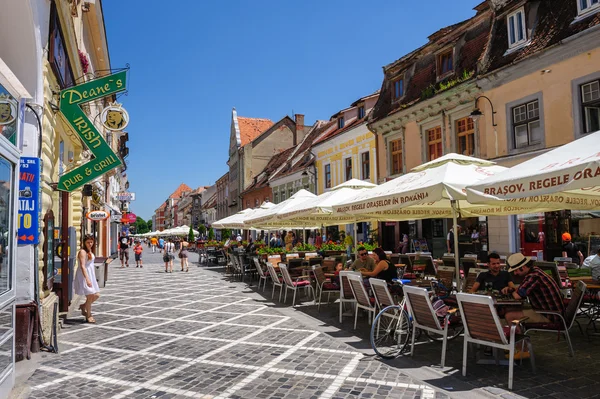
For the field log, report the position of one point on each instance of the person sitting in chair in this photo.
(494, 278)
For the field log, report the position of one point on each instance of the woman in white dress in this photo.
(85, 278)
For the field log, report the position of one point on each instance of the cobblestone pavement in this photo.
(197, 335)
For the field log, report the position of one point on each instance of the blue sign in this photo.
(28, 223)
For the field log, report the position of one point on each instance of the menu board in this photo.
(593, 245)
(420, 245)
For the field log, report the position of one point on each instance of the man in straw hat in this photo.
(541, 290)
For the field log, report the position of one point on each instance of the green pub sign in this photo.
(104, 158)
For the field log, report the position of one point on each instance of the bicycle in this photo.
(392, 329)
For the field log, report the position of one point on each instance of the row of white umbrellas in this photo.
(454, 185)
(175, 231)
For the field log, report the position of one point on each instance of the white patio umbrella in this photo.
(236, 221)
(567, 177)
(267, 218)
(319, 210)
(432, 190)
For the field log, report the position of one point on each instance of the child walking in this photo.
(137, 250)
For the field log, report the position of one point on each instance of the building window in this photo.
(434, 143)
(361, 112)
(348, 168)
(585, 6)
(516, 28)
(590, 101)
(527, 129)
(340, 122)
(365, 165)
(465, 131)
(57, 54)
(328, 176)
(396, 156)
(290, 192)
(276, 197)
(398, 88)
(256, 202)
(445, 63)
(283, 196)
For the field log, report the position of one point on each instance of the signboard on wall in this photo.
(28, 221)
(104, 158)
(125, 196)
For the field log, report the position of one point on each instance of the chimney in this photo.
(299, 134)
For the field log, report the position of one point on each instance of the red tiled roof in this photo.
(162, 207)
(251, 128)
(180, 190)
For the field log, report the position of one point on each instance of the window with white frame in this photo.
(517, 33)
(348, 168)
(590, 102)
(283, 196)
(585, 6)
(527, 127)
(365, 165)
(328, 176)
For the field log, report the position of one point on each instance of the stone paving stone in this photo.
(316, 362)
(371, 368)
(241, 308)
(259, 320)
(179, 327)
(135, 323)
(79, 389)
(248, 354)
(82, 358)
(136, 341)
(107, 307)
(206, 379)
(172, 313)
(94, 334)
(284, 337)
(200, 306)
(128, 301)
(138, 310)
(231, 332)
(212, 317)
(187, 348)
(137, 369)
(364, 390)
(144, 393)
(103, 318)
(273, 385)
(41, 376)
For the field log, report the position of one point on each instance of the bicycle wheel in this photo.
(390, 332)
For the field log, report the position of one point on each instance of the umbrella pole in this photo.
(355, 236)
(456, 254)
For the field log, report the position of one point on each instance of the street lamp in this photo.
(477, 112)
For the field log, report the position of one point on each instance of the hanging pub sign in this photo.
(28, 220)
(104, 158)
(97, 216)
(125, 196)
(8, 110)
(114, 117)
(129, 218)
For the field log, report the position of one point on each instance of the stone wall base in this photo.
(47, 321)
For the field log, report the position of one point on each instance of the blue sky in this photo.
(192, 61)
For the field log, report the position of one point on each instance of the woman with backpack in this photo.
(168, 256)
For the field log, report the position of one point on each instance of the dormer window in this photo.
(340, 122)
(585, 6)
(361, 112)
(398, 88)
(445, 63)
(516, 28)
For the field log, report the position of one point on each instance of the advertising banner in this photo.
(28, 222)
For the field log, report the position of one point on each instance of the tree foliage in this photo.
(141, 226)
(191, 235)
(225, 234)
(211, 234)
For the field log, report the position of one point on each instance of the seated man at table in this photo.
(595, 266)
(363, 261)
(540, 288)
(495, 278)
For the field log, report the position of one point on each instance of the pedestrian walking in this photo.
(168, 256)
(137, 251)
(124, 251)
(161, 244)
(153, 243)
(85, 283)
(183, 256)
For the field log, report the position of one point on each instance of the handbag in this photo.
(166, 257)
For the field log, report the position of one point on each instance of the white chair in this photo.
(383, 297)
(261, 274)
(276, 280)
(362, 297)
(483, 327)
(424, 317)
(323, 284)
(346, 295)
(294, 285)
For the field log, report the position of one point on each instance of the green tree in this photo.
(211, 234)
(149, 224)
(141, 226)
(191, 235)
(225, 234)
(202, 229)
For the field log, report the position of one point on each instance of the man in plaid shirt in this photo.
(540, 288)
